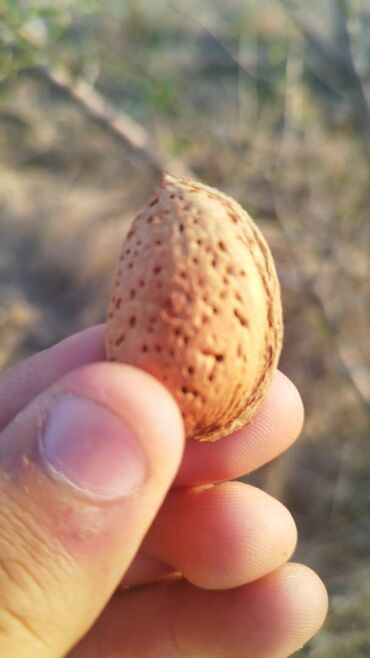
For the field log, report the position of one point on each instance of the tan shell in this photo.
(196, 303)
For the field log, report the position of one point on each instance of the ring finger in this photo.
(218, 537)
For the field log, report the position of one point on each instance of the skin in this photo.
(91, 579)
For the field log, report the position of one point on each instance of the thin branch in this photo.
(235, 59)
(344, 38)
(327, 52)
(117, 123)
(99, 109)
(340, 64)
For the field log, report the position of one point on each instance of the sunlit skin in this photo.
(102, 575)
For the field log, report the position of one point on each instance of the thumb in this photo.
(83, 471)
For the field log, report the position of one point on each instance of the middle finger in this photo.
(218, 537)
(274, 428)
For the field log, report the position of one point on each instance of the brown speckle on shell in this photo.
(197, 304)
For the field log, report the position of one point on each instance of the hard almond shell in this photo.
(196, 303)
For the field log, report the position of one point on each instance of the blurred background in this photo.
(267, 100)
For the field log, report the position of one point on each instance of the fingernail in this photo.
(89, 448)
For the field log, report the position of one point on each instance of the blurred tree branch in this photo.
(116, 122)
(96, 106)
(338, 62)
(248, 69)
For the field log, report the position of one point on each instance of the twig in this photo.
(340, 64)
(99, 109)
(116, 122)
(234, 58)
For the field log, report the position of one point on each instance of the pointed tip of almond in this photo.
(166, 177)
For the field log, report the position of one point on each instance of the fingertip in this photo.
(24, 381)
(275, 427)
(296, 602)
(289, 607)
(283, 409)
(284, 392)
(273, 616)
(272, 430)
(305, 599)
(223, 536)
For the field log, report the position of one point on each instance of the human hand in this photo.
(97, 494)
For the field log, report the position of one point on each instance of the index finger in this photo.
(22, 382)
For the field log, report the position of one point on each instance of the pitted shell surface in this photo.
(196, 303)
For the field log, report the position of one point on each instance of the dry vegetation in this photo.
(242, 98)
